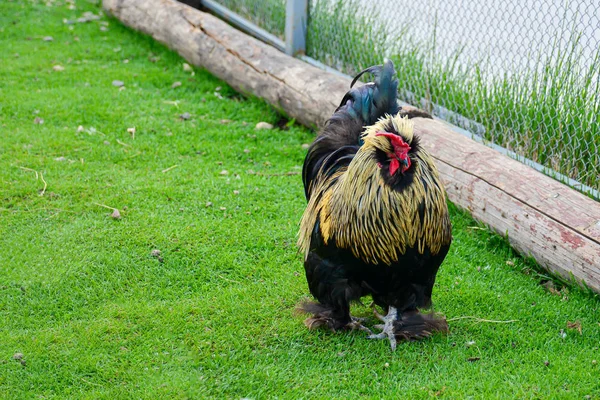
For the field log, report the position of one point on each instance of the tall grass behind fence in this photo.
(523, 75)
(267, 14)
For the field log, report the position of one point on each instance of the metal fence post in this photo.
(296, 14)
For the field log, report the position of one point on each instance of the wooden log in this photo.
(543, 218)
(245, 63)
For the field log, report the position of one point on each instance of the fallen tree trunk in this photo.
(543, 218)
(245, 63)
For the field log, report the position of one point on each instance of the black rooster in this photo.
(377, 221)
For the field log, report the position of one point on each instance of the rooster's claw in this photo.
(388, 327)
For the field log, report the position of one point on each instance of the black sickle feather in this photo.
(360, 107)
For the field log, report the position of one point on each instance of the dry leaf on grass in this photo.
(549, 285)
(575, 325)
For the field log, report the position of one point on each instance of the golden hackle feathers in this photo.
(403, 126)
(362, 213)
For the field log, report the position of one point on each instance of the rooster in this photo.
(377, 221)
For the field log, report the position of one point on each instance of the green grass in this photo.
(549, 115)
(96, 316)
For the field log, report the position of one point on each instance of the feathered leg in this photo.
(329, 317)
(330, 284)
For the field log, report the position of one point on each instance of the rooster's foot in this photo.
(357, 325)
(317, 321)
(411, 325)
(387, 327)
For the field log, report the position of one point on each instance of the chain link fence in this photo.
(523, 75)
(267, 14)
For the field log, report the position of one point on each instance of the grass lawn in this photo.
(89, 312)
